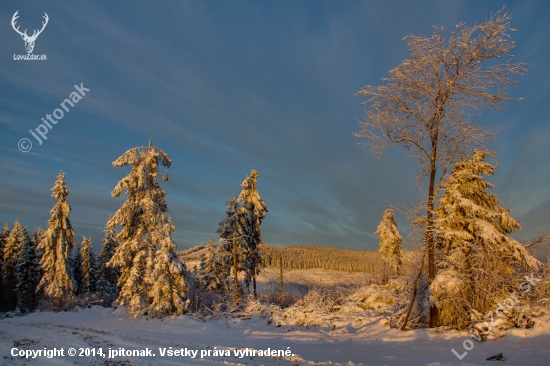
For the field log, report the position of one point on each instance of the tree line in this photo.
(314, 256)
(137, 266)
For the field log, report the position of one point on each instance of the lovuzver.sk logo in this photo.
(29, 40)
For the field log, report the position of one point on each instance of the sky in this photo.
(224, 87)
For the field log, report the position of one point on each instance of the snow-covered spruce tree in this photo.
(89, 267)
(75, 264)
(391, 243)
(151, 275)
(252, 259)
(56, 245)
(28, 275)
(253, 211)
(168, 290)
(232, 237)
(4, 234)
(472, 230)
(17, 238)
(108, 275)
(36, 238)
(250, 194)
(213, 271)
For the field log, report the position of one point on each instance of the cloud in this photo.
(227, 87)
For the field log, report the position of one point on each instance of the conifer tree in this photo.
(89, 267)
(28, 275)
(56, 245)
(253, 211)
(390, 242)
(108, 275)
(76, 270)
(18, 236)
(4, 234)
(232, 236)
(36, 238)
(471, 226)
(251, 195)
(252, 258)
(151, 274)
(213, 272)
(167, 282)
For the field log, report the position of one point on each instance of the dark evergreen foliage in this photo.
(28, 276)
(15, 241)
(76, 271)
(4, 234)
(89, 268)
(108, 275)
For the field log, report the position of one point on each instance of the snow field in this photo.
(349, 338)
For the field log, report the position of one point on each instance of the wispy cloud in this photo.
(225, 87)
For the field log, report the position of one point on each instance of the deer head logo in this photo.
(29, 41)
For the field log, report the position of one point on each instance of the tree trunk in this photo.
(281, 288)
(254, 284)
(235, 275)
(430, 235)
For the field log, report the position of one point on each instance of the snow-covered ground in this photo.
(368, 342)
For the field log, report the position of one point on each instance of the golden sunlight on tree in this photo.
(429, 102)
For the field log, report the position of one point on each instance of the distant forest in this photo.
(309, 257)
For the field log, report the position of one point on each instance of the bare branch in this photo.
(538, 240)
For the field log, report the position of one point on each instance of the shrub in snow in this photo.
(335, 306)
(375, 297)
(390, 243)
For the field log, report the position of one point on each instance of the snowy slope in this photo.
(369, 343)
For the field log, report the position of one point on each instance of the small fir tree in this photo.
(4, 234)
(28, 275)
(391, 243)
(89, 267)
(252, 211)
(232, 238)
(76, 270)
(213, 272)
(108, 275)
(471, 227)
(18, 236)
(151, 274)
(167, 282)
(36, 238)
(56, 245)
(251, 239)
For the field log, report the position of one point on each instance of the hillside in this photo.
(298, 258)
(308, 257)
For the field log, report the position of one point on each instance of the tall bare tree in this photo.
(429, 102)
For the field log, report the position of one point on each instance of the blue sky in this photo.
(228, 86)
